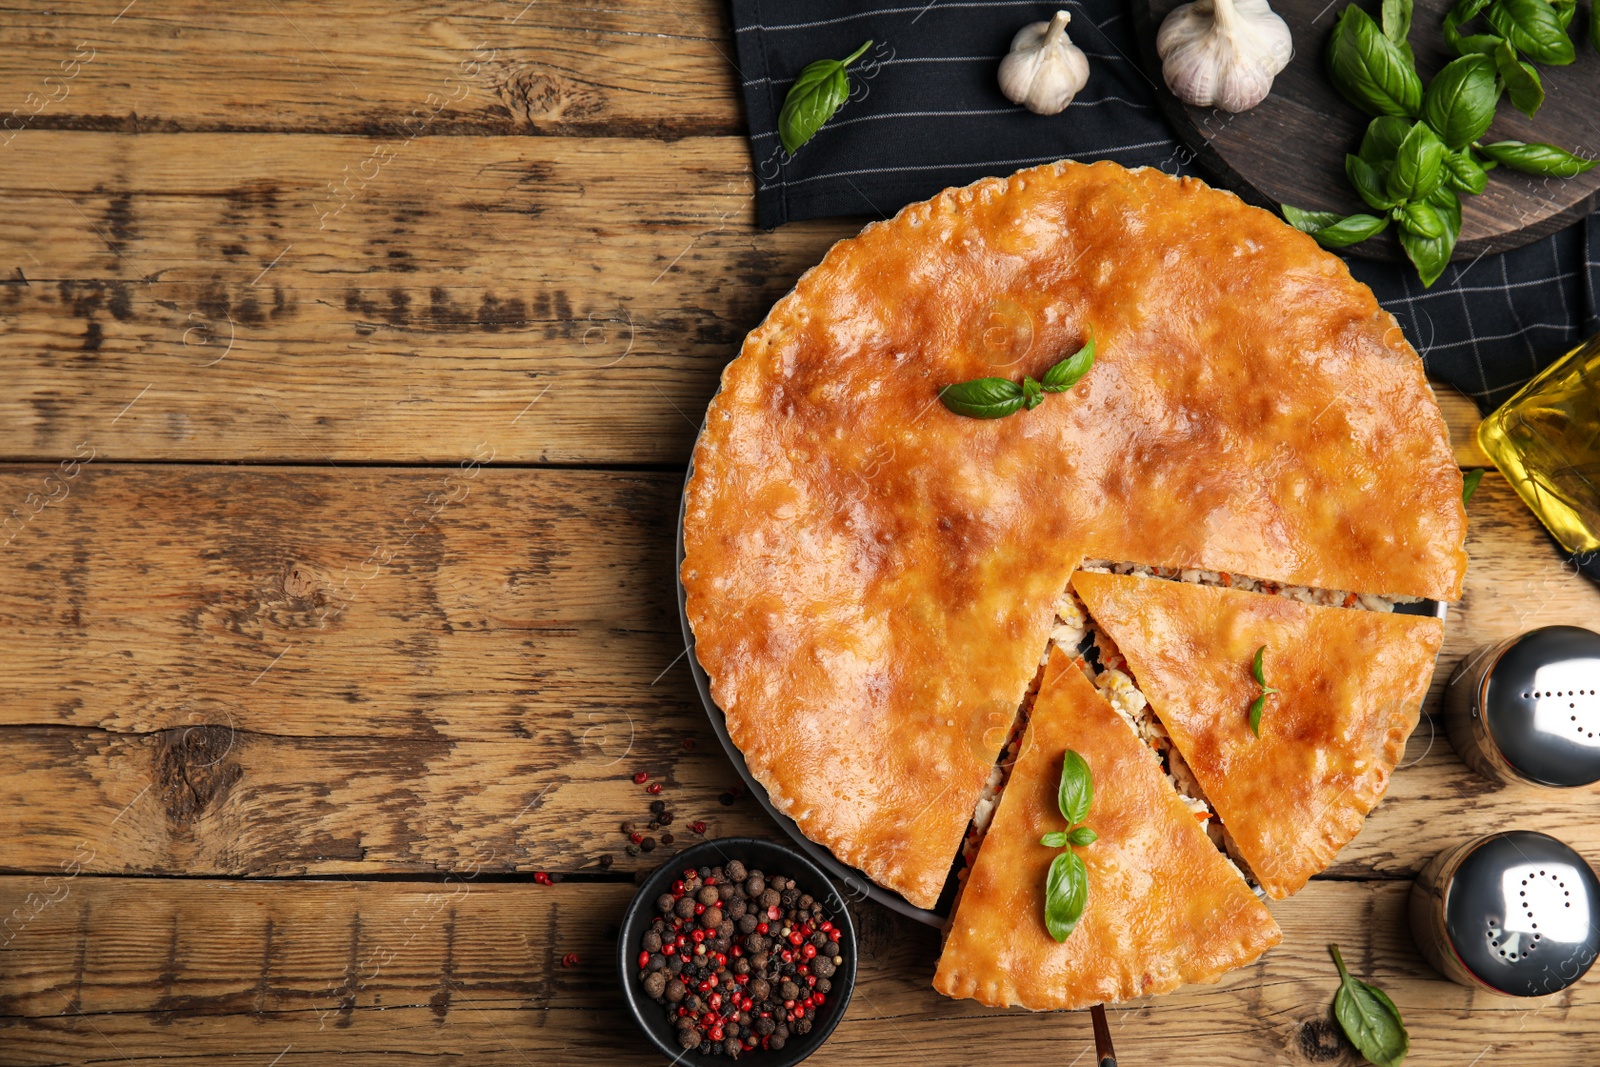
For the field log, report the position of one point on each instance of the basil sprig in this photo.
(821, 90)
(1258, 671)
(1066, 887)
(1422, 151)
(1469, 484)
(1369, 1019)
(995, 398)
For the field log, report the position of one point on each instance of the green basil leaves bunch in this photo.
(1422, 151)
(994, 398)
(1533, 28)
(1066, 887)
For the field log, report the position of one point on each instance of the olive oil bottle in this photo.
(1546, 441)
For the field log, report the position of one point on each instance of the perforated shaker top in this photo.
(1542, 705)
(1521, 913)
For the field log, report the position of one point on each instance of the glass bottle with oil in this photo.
(1546, 441)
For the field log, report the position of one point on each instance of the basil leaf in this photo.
(1397, 20)
(1543, 159)
(1077, 788)
(983, 398)
(1258, 668)
(821, 90)
(1351, 230)
(1460, 101)
(1382, 139)
(1522, 81)
(1368, 182)
(1430, 255)
(1469, 484)
(1309, 221)
(1054, 839)
(1463, 173)
(1256, 708)
(1464, 11)
(1032, 393)
(1083, 836)
(1065, 374)
(1066, 894)
(1420, 218)
(1534, 28)
(1418, 165)
(1565, 9)
(1370, 70)
(1369, 1019)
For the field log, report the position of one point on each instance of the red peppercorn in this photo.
(761, 928)
(697, 827)
(677, 888)
(788, 957)
(789, 1004)
(809, 951)
(644, 959)
(636, 837)
(737, 951)
(722, 961)
(699, 936)
(811, 979)
(716, 1001)
(704, 986)
(653, 788)
(699, 909)
(795, 938)
(668, 949)
(709, 1018)
(742, 979)
(641, 778)
(774, 912)
(541, 877)
(819, 998)
(716, 1033)
(569, 960)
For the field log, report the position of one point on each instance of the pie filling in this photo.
(1075, 633)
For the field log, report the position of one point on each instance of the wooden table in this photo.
(351, 362)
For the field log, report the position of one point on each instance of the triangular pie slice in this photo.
(1165, 908)
(1351, 685)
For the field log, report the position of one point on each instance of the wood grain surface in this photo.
(242, 671)
(397, 973)
(1290, 149)
(351, 357)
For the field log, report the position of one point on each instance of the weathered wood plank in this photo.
(243, 670)
(264, 305)
(112, 968)
(278, 308)
(294, 66)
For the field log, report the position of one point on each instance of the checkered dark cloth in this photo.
(925, 113)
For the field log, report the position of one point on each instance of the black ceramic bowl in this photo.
(770, 858)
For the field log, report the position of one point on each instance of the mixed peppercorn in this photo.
(740, 960)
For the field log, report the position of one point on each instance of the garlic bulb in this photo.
(1044, 70)
(1223, 53)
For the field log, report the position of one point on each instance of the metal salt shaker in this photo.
(1528, 709)
(1511, 913)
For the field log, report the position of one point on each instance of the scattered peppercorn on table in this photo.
(353, 357)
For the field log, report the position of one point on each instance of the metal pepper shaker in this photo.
(1528, 709)
(1511, 913)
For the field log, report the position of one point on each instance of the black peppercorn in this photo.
(747, 924)
(689, 1038)
(708, 895)
(648, 844)
(632, 849)
(755, 886)
(652, 940)
(658, 806)
(665, 818)
(769, 898)
(655, 983)
(685, 908)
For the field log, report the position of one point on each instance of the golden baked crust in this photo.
(869, 576)
(1165, 908)
(1352, 685)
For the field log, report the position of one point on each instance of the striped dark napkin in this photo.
(925, 113)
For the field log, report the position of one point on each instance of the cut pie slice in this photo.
(1350, 688)
(1164, 907)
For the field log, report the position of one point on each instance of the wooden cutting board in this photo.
(1291, 147)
